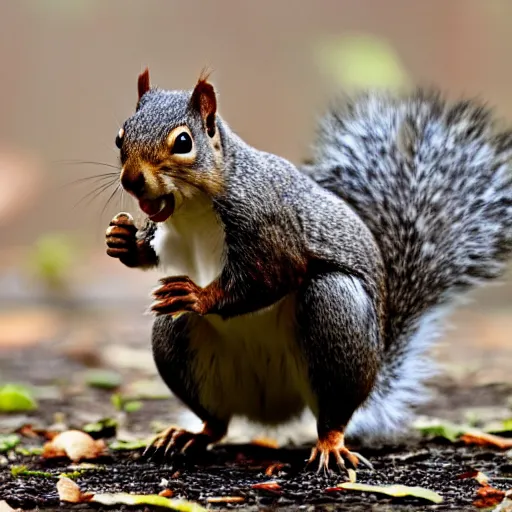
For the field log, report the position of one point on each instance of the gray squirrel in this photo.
(317, 287)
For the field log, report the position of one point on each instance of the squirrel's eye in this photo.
(119, 138)
(182, 143)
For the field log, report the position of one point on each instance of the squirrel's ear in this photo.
(204, 101)
(143, 83)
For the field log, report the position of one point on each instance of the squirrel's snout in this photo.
(133, 182)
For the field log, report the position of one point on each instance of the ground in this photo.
(57, 349)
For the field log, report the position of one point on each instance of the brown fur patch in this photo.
(204, 100)
(143, 83)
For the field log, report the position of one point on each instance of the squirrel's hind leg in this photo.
(173, 358)
(339, 336)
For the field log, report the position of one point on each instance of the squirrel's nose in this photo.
(133, 182)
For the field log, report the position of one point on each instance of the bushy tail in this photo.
(433, 182)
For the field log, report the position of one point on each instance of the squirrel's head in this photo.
(170, 147)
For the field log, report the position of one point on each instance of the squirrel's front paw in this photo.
(177, 294)
(121, 239)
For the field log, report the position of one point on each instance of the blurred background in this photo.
(69, 80)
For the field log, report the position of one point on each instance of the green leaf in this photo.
(124, 404)
(100, 426)
(147, 499)
(27, 451)
(447, 430)
(361, 61)
(129, 445)
(396, 491)
(15, 398)
(103, 379)
(8, 442)
(117, 401)
(132, 406)
(72, 475)
(19, 471)
(498, 427)
(51, 259)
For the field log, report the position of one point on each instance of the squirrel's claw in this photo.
(177, 294)
(333, 444)
(121, 236)
(175, 440)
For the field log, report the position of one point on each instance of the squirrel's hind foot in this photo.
(174, 441)
(332, 446)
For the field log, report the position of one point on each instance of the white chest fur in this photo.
(191, 242)
(249, 365)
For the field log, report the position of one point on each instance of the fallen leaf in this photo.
(74, 444)
(129, 445)
(394, 490)
(505, 505)
(488, 496)
(352, 475)
(480, 477)
(448, 430)
(265, 442)
(70, 492)
(27, 451)
(274, 467)
(132, 406)
(17, 471)
(225, 499)
(15, 398)
(166, 493)
(122, 498)
(272, 486)
(101, 426)
(103, 379)
(28, 430)
(8, 442)
(483, 439)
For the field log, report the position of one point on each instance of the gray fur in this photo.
(433, 182)
(406, 203)
(335, 319)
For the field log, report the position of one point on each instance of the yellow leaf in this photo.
(361, 61)
(394, 490)
(122, 498)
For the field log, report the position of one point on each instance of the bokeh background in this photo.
(69, 70)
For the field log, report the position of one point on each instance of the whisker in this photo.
(96, 192)
(99, 177)
(86, 162)
(110, 198)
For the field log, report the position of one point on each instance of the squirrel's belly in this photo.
(252, 366)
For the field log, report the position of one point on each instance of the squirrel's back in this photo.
(433, 182)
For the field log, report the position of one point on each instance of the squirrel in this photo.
(320, 286)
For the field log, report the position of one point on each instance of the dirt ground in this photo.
(229, 473)
(56, 347)
(58, 373)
